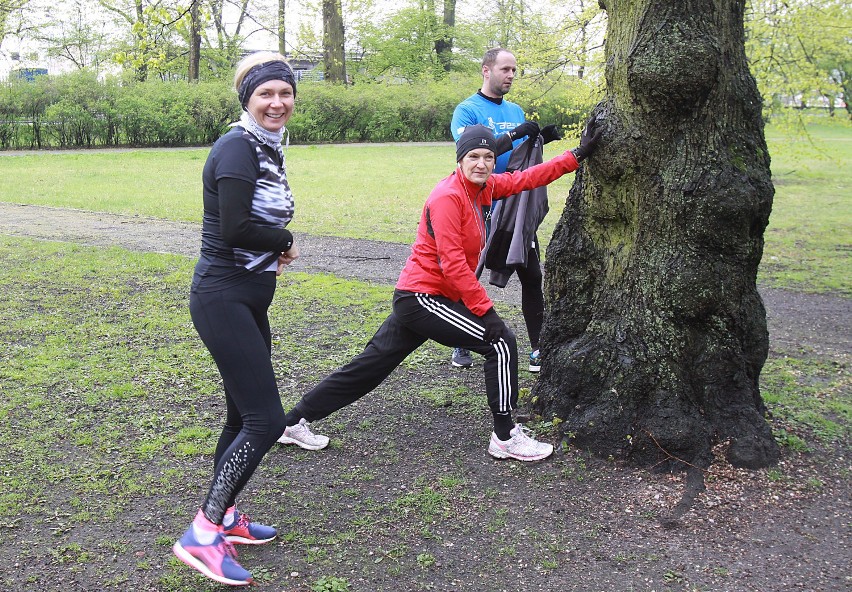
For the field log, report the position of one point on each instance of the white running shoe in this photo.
(521, 446)
(302, 436)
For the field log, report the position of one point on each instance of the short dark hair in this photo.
(491, 56)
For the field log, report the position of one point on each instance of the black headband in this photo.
(274, 70)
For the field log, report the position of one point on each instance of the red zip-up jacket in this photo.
(451, 232)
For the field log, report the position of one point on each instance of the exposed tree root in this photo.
(694, 486)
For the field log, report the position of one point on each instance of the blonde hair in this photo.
(252, 60)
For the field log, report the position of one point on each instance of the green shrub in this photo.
(22, 109)
(84, 113)
(78, 110)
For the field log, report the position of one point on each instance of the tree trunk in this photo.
(655, 334)
(216, 17)
(282, 30)
(142, 68)
(194, 42)
(583, 44)
(846, 85)
(332, 41)
(444, 44)
(829, 101)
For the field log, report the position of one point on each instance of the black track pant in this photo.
(416, 318)
(233, 324)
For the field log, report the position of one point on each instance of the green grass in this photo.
(377, 192)
(364, 191)
(371, 192)
(809, 238)
(809, 398)
(103, 357)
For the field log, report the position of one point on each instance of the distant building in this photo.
(308, 67)
(28, 74)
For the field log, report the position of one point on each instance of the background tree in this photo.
(73, 31)
(800, 51)
(553, 41)
(509, 18)
(230, 25)
(149, 43)
(8, 8)
(228, 38)
(333, 54)
(194, 41)
(401, 45)
(444, 42)
(581, 31)
(281, 32)
(655, 334)
(840, 67)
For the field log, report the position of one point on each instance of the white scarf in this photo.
(263, 135)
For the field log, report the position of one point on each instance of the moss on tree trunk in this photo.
(655, 334)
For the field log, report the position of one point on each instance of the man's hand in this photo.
(495, 328)
(549, 133)
(527, 128)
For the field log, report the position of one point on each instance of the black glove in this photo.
(589, 140)
(550, 133)
(495, 328)
(527, 128)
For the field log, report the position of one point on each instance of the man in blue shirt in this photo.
(488, 107)
(508, 122)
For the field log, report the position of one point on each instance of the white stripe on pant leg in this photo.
(504, 375)
(450, 316)
(504, 356)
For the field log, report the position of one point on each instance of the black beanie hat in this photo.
(473, 137)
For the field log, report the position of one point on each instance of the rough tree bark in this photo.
(332, 41)
(655, 334)
(194, 42)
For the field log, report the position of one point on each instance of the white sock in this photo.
(230, 517)
(205, 531)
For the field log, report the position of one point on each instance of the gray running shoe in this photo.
(462, 358)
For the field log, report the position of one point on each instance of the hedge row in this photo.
(79, 111)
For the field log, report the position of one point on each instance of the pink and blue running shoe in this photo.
(217, 560)
(246, 532)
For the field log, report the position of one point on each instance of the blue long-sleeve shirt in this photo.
(499, 118)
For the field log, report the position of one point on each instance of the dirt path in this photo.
(817, 323)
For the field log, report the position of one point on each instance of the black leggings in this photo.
(233, 325)
(532, 295)
(416, 318)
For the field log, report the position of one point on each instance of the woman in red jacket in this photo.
(439, 297)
